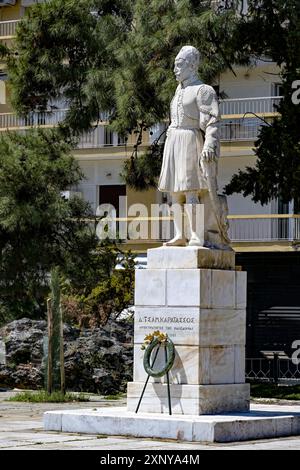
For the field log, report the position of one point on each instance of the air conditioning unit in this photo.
(4, 3)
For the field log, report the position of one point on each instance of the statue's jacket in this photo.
(194, 127)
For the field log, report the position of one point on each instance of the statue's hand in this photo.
(209, 156)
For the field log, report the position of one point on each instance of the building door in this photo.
(110, 195)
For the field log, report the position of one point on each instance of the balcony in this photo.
(241, 117)
(8, 29)
(264, 228)
(261, 106)
(89, 140)
(47, 119)
(232, 130)
(233, 126)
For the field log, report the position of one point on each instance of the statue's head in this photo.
(186, 63)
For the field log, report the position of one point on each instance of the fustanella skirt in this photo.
(180, 168)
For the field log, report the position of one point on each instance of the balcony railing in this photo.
(95, 139)
(242, 228)
(240, 106)
(240, 129)
(92, 139)
(12, 121)
(8, 28)
(47, 118)
(264, 227)
(231, 129)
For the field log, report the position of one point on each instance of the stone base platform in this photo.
(263, 421)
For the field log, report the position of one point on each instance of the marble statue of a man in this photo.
(189, 169)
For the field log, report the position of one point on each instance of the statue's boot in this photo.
(196, 239)
(179, 239)
(176, 241)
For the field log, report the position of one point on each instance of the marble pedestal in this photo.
(197, 298)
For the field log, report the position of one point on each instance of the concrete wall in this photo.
(237, 203)
(98, 173)
(249, 82)
(10, 12)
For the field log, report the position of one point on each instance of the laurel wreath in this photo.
(152, 340)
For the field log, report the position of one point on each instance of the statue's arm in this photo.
(212, 136)
(209, 121)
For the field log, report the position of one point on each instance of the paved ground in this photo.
(21, 428)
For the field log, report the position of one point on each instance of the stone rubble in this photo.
(96, 361)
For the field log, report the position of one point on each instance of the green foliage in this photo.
(44, 397)
(272, 30)
(39, 229)
(65, 49)
(141, 171)
(117, 396)
(95, 291)
(145, 81)
(113, 56)
(275, 391)
(117, 57)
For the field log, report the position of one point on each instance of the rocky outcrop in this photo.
(98, 360)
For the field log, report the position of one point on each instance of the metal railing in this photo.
(230, 130)
(240, 106)
(48, 118)
(259, 369)
(240, 129)
(276, 370)
(234, 129)
(8, 28)
(93, 139)
(96, 139)
(242, 228)
(264, 227)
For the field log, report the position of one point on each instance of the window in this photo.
(122, 140)
(277, 89)
(108, 136)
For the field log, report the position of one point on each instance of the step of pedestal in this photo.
(263, 421)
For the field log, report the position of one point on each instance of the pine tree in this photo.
(115, 56)
(65, 49)
(39, 229)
